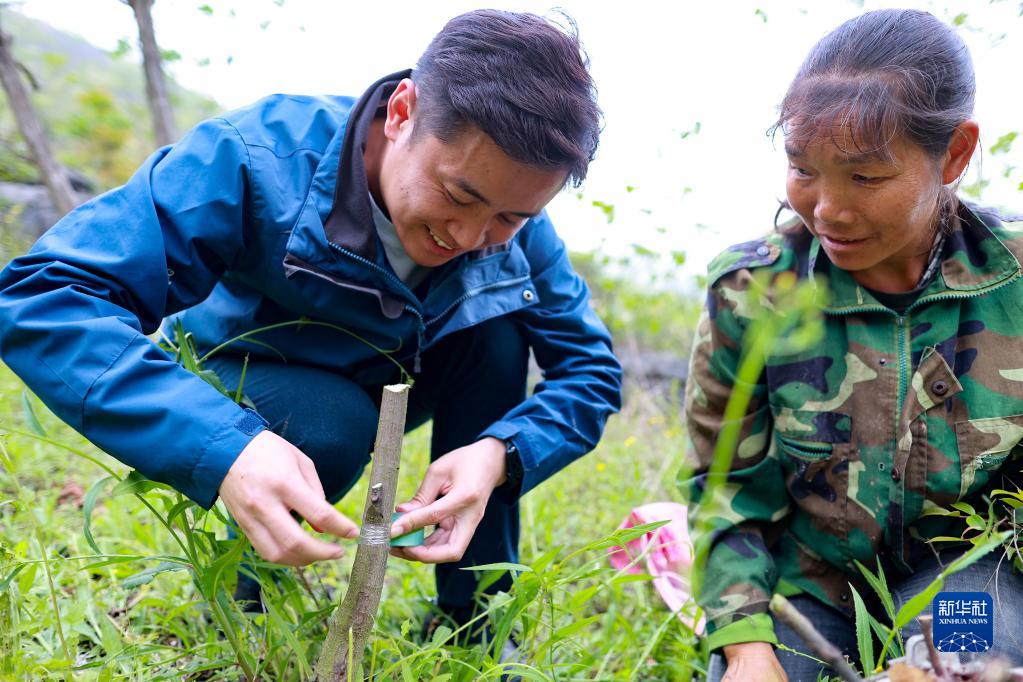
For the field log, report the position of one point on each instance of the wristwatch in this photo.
(513, 469)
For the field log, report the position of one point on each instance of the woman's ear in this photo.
(400, 109)
(960, 151)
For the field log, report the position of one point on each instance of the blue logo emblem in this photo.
(963, 621)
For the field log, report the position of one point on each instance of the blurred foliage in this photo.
(641, 298)
(92, 105)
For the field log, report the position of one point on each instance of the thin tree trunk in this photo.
(352, 622)
(51, 172)
(156, 85)
(818, 644)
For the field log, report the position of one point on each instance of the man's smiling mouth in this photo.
(440, 242)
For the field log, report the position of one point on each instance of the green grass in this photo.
(122, 615)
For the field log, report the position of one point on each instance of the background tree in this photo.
(51, 172)
(164, 129)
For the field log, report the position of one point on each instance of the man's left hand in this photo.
(453, 496)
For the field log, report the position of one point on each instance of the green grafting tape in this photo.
(413, 539)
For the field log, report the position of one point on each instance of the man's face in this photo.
(449, 198)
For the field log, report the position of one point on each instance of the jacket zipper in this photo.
(478, 290)
(902, 330)
(422, 325)
(417, 365)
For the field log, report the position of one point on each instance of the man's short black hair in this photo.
(519, 78)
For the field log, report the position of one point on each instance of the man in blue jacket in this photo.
(403, 228)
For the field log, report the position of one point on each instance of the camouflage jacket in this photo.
(844, 446)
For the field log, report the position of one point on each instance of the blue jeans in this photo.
(469, 380)
(1001, 581)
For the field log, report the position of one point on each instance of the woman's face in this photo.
(875, 217)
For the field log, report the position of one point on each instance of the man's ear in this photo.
(960, 151)
(401, 108)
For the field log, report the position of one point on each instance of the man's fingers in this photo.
(430, 515)
(293, 546)
(259, 537)
(308, 469)
(429, 490)
(435, 554)
(312, 479)
(321, 514)
(447, 543)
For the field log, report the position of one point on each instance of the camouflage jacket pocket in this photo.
(809, 435)
(984, 445)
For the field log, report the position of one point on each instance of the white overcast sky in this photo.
(661, 68)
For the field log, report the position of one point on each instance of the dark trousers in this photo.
(468, 381)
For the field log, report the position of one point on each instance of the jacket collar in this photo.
(351, 213)
(974, 261)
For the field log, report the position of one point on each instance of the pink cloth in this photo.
(669, 555)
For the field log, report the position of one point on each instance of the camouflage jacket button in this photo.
(763, 250)
(939, 387)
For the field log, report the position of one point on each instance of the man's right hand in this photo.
(752, 662)
(270, 479)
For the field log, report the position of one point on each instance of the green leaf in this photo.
(581, 598)
(544, 560)
(500, 566)
(1004, 143)
(864, 640)
(206, 9)
(939, 511)
(179, 508)
(285, 628)
(964, 508)
(977, 552)
(607, 209)
(945, 538)
(915, 606)
(123, 48)
(30, 415)
(880, 587)
(976, 522)
(146, 576)
(6, 581)
(563, 634)
(959, 19)
(136, 484)
(883, 634)
(210, 576)
(88, 504)
(441, 635)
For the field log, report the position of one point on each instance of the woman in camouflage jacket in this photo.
(913, 400)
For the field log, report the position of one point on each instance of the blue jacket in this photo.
(259, 217)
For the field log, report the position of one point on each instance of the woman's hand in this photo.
(752, 662)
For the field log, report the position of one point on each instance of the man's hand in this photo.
(270, 479)
(753, 662)
(453, 496)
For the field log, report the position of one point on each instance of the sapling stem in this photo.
(352, 622)
(819, 645)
